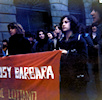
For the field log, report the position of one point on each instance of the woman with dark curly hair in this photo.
(17, 43)
(70, 28)
(75, 51)
(43, 43)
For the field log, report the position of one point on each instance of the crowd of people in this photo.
(79, 43)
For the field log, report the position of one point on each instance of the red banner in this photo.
(32, 76)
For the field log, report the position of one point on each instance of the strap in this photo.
(79, 37)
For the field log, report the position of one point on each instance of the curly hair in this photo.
(73, 23)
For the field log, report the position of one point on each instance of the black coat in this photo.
(18, 45)
(43, 45)
(79, 46)
(74, 63)
(93, 52)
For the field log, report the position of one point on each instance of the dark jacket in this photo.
(43, 45)
(99, 32)
(79, 46)
(95, 40)
(88, 40)
(74, 63)
(93, 52)
(18, 45)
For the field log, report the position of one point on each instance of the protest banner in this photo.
(33, 76)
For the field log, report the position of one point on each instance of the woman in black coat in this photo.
(18, 44)
(43, 43)
(74, 59)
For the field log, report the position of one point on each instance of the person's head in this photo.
(55, 34)
(50, 35)
(82, 28)
(94, 27)
(69, 23)
(96, 12)
(5, 43)
(57, 29)
(15, 28)
(41, 35)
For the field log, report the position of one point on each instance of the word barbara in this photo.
(44, 72)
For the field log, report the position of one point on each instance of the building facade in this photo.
(37, 14)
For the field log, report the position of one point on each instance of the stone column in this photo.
(7, 15)
(58, 9)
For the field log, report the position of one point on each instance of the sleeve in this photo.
(51, 45)
(26, 46)
(89, 41)
(82, 49)
(34, 48)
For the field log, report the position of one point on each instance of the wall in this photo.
(7, 15)
(58, 9)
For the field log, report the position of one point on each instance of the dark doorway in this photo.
(33, 15)
(76, 8)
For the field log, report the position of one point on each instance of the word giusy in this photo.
(44, 72)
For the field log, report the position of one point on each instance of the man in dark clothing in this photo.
(97, 18)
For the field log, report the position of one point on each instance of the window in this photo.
(100, 1)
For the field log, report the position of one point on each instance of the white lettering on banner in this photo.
(43, 72)
(5, 72)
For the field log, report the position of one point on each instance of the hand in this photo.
(63, 51)
(96, 46)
